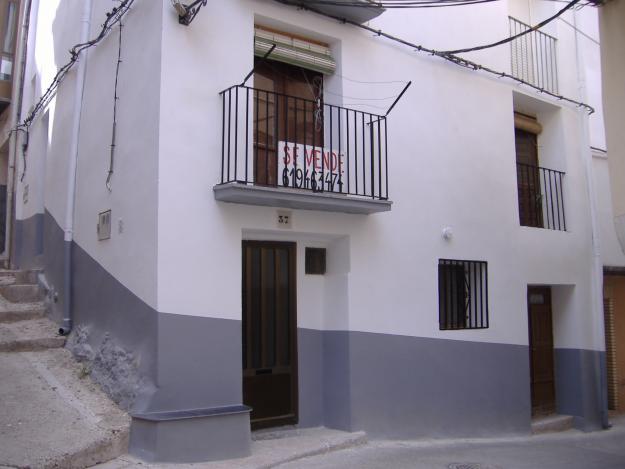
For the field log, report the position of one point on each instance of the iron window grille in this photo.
(462, 294)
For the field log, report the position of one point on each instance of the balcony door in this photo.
(528, 179)
(287, 108)
(269, 333)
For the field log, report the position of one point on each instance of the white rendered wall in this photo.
(129, 255)
(451, 163)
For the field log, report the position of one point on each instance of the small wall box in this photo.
(104, 225)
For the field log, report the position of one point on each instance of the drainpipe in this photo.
(597, 326)
(14, 141)
(70, 204)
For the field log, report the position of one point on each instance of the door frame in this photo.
(291, 246)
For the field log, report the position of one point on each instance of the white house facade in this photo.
(342, 230)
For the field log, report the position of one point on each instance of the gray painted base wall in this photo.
(581, 387)
(28, 242)
(409, 387)
(150, 361)
(390, 386)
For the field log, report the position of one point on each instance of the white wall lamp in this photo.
(187, 13)
(447, 233)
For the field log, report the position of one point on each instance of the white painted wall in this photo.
(451, 163)
(130, 255)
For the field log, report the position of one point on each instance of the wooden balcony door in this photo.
(541, 350)
(528, 179)
(270, 333)
(288, 108)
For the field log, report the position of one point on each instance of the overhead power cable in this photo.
(112, 18)
(516, 36)
(455, 59)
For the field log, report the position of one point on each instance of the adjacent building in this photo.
(275, 216)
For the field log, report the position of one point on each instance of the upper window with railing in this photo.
(281, 134)
(540, 189)
(533, 57)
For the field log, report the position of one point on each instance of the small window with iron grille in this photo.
(462, 294)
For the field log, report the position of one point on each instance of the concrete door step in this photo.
(552, 423)
(52, 415)
(35, 334)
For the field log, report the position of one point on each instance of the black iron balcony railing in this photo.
(533, 57)
(274, 140)
(541, 203)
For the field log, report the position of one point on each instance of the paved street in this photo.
(569, 450)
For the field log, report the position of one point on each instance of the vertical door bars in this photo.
(541, 202)
(272, 139)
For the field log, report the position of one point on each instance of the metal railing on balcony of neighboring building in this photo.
(533, 57)
(274, 140)
(541, 201)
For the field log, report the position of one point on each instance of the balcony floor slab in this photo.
(297, 199)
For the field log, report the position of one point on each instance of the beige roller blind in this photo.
(294, 50)
(527, 123)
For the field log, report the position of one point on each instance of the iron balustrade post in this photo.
(329, 153)
(371, 163)
(347, 151)
(247, 131)
(379, 161)
(266, 138)
(236, 131)
(563, 207)
(223, 135)
(386, 157)
(276, 120)
(304, 184)
(285, 100)
(338, 155)
(364, 151)
(257, 142)
(295, 147)
(229, 125)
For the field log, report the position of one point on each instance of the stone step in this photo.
(24, 277)
(32, 335)
(552, 423)
(21, 293)
(21, 312)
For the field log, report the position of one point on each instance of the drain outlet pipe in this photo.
(70, 204)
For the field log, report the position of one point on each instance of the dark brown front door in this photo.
(528, 179)
(541, 350)
(269, 333)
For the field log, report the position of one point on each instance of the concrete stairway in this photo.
(51, 413)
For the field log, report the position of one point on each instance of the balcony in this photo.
(533, 57)
(282, 151)
(541, 203)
